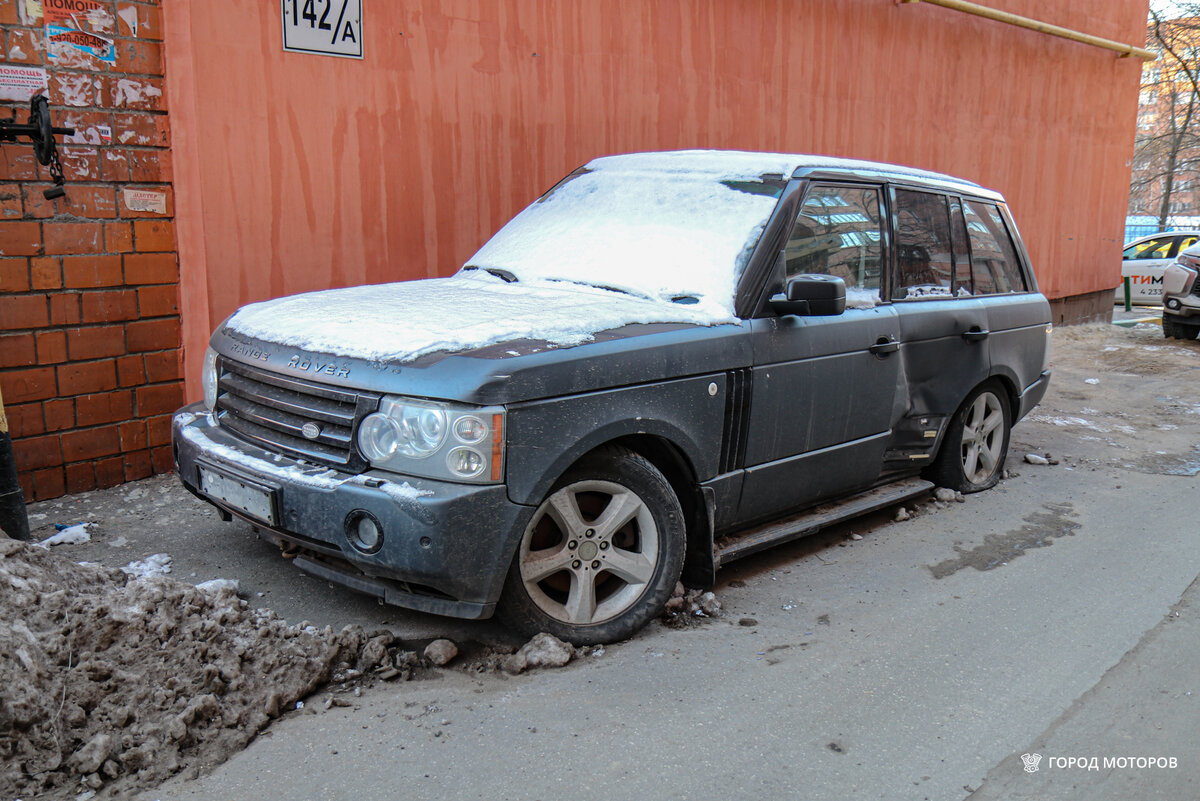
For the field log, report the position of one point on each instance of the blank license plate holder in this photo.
(251, 497)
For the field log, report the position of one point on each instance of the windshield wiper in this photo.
(503, 275)
(605, 287)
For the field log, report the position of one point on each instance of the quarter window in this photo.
(838, 232)
(994, 264)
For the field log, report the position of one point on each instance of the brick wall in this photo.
(90, 362)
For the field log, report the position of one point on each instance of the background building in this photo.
(211, 168)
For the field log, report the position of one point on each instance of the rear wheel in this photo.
(601, 554)
(1175, 329)
(972, 454)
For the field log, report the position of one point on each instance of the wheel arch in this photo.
(699, 567)
(938, 470)
(672, 460)
(1007, 380)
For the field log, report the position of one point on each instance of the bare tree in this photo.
(1167, 148)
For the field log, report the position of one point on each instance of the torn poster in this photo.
(77, 24)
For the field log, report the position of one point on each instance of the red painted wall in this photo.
(298, 172)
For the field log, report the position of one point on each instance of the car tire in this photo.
(1173, 329)
(975, 445)
(601, 555)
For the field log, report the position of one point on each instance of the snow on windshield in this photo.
(660, 226)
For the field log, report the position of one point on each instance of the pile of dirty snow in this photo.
(111, 682)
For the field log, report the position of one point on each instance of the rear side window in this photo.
(994, 265)
(924, 262)
(838, 232)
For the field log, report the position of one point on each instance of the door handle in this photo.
(976, 334)
(884, 345)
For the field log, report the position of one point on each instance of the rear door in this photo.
(944, 350)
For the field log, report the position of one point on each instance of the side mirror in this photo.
(812, 295)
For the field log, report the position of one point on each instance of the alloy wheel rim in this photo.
(983, 438)
(589, 552)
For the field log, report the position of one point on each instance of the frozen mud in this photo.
(111, 682)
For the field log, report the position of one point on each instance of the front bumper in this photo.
(446, 547)
(1184, 308)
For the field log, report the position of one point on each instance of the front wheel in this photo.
(601, 554)
(972, 454)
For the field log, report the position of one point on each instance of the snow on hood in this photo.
(406, 320)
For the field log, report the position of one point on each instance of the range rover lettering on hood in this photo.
(249, 351)
(308, 365)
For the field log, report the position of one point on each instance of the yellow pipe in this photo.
(1041, 27)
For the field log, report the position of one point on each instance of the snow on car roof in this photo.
(749, 165)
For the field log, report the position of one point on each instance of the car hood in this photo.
(401, 322)
(476, 338)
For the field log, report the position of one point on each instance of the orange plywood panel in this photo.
(314, 172)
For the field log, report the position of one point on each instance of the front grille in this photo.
(1196, 287)
(273, 411)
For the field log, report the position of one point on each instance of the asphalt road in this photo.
(1055, 615)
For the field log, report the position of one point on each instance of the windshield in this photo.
(666, 235)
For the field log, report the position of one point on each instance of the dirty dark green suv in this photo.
(667, 362)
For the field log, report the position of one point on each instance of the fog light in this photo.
(364, 531)
(1172, 303)
(465, 462)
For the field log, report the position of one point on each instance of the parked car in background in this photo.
(667, 362)
(1144, 260)
(1181, 296)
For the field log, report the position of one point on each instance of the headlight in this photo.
(435, 440)
(208, 379)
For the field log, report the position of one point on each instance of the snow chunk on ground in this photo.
(216, 585)
(158, 564)
(71, 535)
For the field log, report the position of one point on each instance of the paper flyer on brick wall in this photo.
(151, 200)
(78, 25)
(20, 83)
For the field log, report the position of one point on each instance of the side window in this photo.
(838, 233)
(924, 265)
(994, 264)
(1150, 249)
(1185, 242)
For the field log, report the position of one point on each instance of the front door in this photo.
(823, 388)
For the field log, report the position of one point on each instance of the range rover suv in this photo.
(667, 362)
